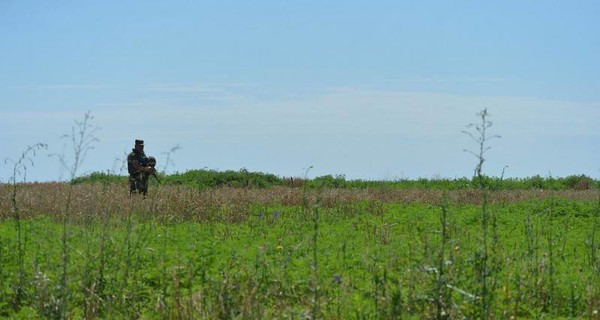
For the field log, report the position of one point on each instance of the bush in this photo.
(100, 177)
(329, 181)
(581, 182)
(211, 178)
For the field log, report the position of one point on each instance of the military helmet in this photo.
(151, 161)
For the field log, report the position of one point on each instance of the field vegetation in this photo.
(205, 179)
(389, 250)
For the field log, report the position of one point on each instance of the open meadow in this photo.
(310, 160)
(89, 250)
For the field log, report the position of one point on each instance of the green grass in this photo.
(375, 260)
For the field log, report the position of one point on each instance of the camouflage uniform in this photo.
(138, 181)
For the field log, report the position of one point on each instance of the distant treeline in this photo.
(204, 179)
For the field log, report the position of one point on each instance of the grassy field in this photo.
(88, 250)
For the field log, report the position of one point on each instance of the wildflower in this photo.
(279, 247)
(337, 279)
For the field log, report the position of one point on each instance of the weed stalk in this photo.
(82, 139)
(481, 137)
(315, 265)
(21, 166)
(442, 298)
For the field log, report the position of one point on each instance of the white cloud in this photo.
(354, 131)
(65, 86)
(201, 88)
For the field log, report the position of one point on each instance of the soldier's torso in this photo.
(141, 159)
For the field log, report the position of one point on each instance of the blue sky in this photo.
(368, 89)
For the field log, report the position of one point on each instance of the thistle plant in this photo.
(20, 168)
(304, 189)
(168, 160)
(442, 294)
(121, 163)
(315, 265)
(479, 133)
(82, 138)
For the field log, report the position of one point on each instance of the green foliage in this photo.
(100, 177)
(204, 179)
(328, 181)
(573, 182)
(372, 266)
(580, 182)
(560, 207)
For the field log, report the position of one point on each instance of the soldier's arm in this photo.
(148, 169)
(139, 168)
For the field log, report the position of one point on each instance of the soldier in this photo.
(139, 169)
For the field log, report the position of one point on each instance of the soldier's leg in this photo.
(136, 184)
(132, 185)
(144, 185)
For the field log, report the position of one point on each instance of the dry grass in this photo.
(233, 204)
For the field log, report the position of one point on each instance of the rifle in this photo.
(152, 163)
(156, 177)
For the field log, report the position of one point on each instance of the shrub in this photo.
(581, 182)
(211, 178)
(99, 177)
